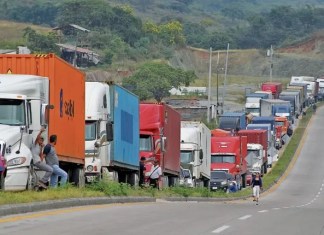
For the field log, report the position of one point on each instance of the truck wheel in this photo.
(206, 183)
(31, 178)
(105, 174)
(165, 182)
(2, 181)
(243, 185)
(115, 176)
(265, 167)
(78, 177)
(133, 179)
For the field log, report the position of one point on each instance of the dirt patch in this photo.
(314, 45)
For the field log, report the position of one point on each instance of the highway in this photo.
(294, 206)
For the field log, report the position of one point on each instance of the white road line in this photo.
(245, 217)
(221, 229)
(263, 211)
(276, 208)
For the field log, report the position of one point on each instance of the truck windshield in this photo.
(222, 159)
(90, 131)
(146, 143)
(218, 175)
(252, 156)
(12, 112)
(279, 123)
(187, 156)
(252, 110)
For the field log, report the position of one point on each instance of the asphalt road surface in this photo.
(295, 206)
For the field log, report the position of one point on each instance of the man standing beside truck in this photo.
(38, 157)
(141, 171)
(53, 161)
(155, 175)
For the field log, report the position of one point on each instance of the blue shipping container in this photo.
(264, 120)
(229, 121)
(124, 109)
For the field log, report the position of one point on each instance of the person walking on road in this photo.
(53, 161)
(155, 175)
(257, 186)
(38, 157)
(314, 108)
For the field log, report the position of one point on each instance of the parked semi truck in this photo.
(274, 87)
(303, 92)
(38, 91)
(228, 153)
(252, 103)
(276, 107)
(312, 86)
(275, 131)
(195, 154)
(272, 151)
(320, 88)
(257, 146)
(232, 121)
(111, 133)
(293, 97)
(159, 140)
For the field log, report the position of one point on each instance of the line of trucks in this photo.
(103, 130)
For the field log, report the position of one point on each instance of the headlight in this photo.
(16, 161)
(223, 182)
(90, 168)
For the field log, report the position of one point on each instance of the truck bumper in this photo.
(16, 179)
(91, 177)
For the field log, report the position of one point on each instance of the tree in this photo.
(154, 80)
(41, 43)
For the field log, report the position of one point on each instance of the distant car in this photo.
(3, 171)
(220, 180)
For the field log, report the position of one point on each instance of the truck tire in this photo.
(78, 177)
(206, 183)
(104, 174)
(173, 181)
(2, 182)
(115, 176)
(243, 185)
(31, 178)
(265, 167)
(133, 179)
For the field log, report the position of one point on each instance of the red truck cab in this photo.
(228, 153)
(160, 127)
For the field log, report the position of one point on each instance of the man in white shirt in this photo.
(155, 175)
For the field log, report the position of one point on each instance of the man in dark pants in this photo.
(141, 171)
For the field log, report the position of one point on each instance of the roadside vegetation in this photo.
(112, 189)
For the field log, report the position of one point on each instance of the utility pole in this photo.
(225, 78)
(209, 85)
(270, 53)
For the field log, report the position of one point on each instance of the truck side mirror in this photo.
(163, 143)
(201, 154)
(109, 131)
(45, 108)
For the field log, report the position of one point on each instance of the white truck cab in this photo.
(23, 101)
(195, 154)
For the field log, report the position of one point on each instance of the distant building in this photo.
(182, 90)
(84, 57)
(19, 50)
